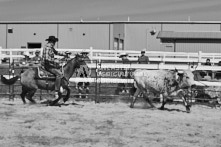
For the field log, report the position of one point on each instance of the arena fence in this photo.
(102, 75)
(113, 55)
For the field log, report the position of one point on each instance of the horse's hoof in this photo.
(52, 104)
(65, 100)
(188, 109)
(131, 106)
(48, 103)
(34, 102)
(153, 108)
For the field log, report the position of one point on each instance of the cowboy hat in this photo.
(84, 52)
(67, 52)
(52, 38)
(26, 54)
(143, 50)
(123, 54)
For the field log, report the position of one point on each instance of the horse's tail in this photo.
(9, 81)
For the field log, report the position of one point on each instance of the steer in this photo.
(164, 82)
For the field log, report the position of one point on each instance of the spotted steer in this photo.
(164, 82)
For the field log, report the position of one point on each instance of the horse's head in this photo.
(79, 59)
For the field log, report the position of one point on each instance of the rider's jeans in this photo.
(58, 75)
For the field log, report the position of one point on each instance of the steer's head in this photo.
(185, 79)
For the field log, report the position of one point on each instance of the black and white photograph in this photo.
(110, 73)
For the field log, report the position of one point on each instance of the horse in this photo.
(31, 82)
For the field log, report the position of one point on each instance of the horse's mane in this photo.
(69, 61)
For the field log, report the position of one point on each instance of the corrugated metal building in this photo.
(155, 36)
(192, 41)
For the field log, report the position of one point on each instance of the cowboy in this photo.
(51, 64)
(26, 60)
(84, 54)
(37, 58)
(124, 58)
(208, 63)
(143, 59)
(208, 74)
(84, 72)
(122, 86)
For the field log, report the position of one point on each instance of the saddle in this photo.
(43, 74)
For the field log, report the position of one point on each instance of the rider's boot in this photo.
(61, 89)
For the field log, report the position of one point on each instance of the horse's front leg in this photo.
(54, 102)
(67, 96)
(30, 95)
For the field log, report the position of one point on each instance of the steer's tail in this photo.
(9, 81)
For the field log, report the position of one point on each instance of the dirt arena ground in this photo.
(107, 125)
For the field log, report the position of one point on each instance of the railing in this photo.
(113, 55)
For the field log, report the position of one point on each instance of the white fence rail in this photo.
(154, 66)
(112, 80)
(100, 54)
(117, 80)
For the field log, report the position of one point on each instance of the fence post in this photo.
(10, 53)
(91, 54)
(199, 57)
(213, 63)
(115, 55)
(99, 60)
(0, 55)
(41, 51)
(97, 73)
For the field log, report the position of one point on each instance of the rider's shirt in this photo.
(143, 60)
(48, 52)
(48, 56)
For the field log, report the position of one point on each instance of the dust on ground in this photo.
(107, 125)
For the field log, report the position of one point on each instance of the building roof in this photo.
(188, 35)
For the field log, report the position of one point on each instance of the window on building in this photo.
(118, 44)
(10, 30)
(34, 45)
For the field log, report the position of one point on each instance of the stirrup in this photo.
(61, 89)
(56, 95)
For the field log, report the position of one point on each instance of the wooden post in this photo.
(199, 57)
(0, 55)
(96, 92)
(91, 54)
(115, 55)
(10, 53)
